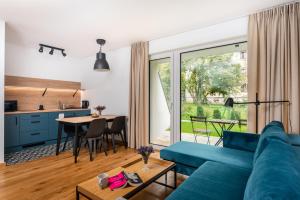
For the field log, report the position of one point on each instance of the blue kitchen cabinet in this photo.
(22, 130)
(82, 113)
(11, 130)
(33, 128)
(53, 125)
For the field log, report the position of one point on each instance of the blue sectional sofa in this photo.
(248, 166)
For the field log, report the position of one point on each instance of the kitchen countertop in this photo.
(43, 111)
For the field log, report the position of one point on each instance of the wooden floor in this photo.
(55, 177)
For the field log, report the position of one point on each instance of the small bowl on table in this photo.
(95, 115)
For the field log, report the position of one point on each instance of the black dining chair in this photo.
(117, 129)
(94, 136)
(197, 121)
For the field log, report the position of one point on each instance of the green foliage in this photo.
(209, 75)
(235, 115)
(187, 111)
(217, 114)
(200, 111)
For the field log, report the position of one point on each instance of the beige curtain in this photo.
(139, 96)
(273, 65)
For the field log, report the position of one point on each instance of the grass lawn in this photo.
(190, 109)
(186, 127)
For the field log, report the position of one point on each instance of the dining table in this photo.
(80, 121)
(220, 125)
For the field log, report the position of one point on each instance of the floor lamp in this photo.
(229, 103)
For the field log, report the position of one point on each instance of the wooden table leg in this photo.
(59, 133)
(75, 145)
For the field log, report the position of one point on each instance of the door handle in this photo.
(35, 122)
(35, 133)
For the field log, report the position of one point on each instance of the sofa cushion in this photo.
(194, 155)
(276, 173)
(274, 130)
(273, 123)
(240, 140)
(213, 180)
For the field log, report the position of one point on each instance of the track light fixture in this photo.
(63, 53)
(42, 46)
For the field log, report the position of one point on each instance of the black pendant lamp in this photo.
(101, 64)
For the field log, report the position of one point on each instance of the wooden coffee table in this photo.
(157, 168)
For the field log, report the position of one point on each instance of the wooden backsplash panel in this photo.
(40, 83)
(31, 98)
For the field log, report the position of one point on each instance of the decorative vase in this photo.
(145, 152)
(145, 159)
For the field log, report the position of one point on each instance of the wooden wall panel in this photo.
(40, 83)
(30, 97)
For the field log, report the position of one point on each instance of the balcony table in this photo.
(223, 124)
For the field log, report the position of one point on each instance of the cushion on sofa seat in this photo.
(213, 181)
(273, 130)
(194, 155)
(276, 173)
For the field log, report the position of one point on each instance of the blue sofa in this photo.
(248, 166)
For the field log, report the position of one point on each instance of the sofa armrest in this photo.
(240, 140)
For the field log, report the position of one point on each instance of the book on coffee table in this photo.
(123, 179)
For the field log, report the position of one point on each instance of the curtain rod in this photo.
(276, 6)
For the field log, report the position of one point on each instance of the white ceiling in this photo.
(75, 24)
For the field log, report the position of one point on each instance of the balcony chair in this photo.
(196, 121)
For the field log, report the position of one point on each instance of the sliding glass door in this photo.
(208, 77)
(160, 101)
(195, 83)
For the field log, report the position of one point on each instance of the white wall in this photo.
(22, 61)
(2, 64)
(211, 34)
(109, 88)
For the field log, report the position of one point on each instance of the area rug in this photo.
(34, 153)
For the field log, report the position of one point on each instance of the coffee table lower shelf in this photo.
(157, 169)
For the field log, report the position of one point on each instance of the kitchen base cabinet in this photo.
(26, 130)
(11, 131)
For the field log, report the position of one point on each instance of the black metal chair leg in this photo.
(95, 147)
(90, 144)
(122, 138)
(102, 140)
(105, 148)
(113, 142)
